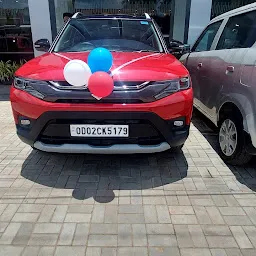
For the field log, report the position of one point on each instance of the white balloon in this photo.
(77, 73)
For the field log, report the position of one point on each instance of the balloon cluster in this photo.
(92, 75)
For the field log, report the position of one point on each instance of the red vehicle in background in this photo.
(149, 110)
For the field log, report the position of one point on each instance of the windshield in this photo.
(83, 35)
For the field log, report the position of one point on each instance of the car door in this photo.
(198, 62)
(231, 50)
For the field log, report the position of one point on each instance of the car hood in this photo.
(132, 66)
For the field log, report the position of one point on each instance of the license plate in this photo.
(90, 130)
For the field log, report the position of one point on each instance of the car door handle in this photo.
(230, 69)
(200, 64)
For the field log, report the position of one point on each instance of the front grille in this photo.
(95, 101)
(118, 85)
(141, 132)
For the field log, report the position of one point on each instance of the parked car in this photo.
(151, 103)
(222, 68)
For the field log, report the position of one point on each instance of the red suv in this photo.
(150, 106)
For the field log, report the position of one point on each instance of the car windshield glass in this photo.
(83, 35)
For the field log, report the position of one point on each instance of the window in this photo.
(205, 41)
(240, 32)
(114, 34)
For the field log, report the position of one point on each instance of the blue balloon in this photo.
(100, 59)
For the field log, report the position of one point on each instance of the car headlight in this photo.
(28, 86)
(172, 86)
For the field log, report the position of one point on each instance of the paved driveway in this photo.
(187, 204)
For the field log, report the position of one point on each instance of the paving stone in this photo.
(221, 242)
(111, 214)
(80, 208)
(43, 239)
(160, 229)
(215, 215)
(218, 252)
(31, 250)
(98, 214)
(68, 250)
(241, 238)
(232, 211)
(131, 218)
(233, 252)
(184, 219)
(78, 217)
(93, 251)
(81, 234)
(181, 210)
(9, 212)
(25, 217)
(59, 213)
(109, 251)
(164, 251)
(139, 235)
(162, 240)
(197, 236)
(47, 213)
(23, 235)
(215, 230)
(130, 209)
(251, 233)
(10, 250)
(150, 214)
(248, 252)
(103, 229)
(31, 208)
(47, 228)
(237, 220)
(124, 235)
(67, 234)
(251, 212)
(183, 236)
(10, 232)
(132, 251)
(3, 226)
(195, 252)
(102, 240)
(202, 215)
(46, 251)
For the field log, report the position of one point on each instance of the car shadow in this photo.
(244, 174)
(98, 176)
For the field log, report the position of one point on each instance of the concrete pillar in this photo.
(40, 21)
(190, 18)
(180, 20)
(200, 15)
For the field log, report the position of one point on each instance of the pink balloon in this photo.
(101, 84)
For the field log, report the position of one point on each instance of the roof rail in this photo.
(147, 16)
(77, 15)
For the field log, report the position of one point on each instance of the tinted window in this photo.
(240, 32)
(205, 41)
(113, 34)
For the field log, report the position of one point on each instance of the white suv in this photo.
(222, 64)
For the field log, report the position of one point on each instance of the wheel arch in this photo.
(243, 107)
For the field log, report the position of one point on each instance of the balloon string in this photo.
(57, 54)
(120, 67)
(130, 62)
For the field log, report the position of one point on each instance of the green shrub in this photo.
(8, 69)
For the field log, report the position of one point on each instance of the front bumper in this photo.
(151, 125)
(148, 132)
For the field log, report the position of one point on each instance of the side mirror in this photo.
(42, 45)
(178, 48)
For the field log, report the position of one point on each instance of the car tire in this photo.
(231, 141)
